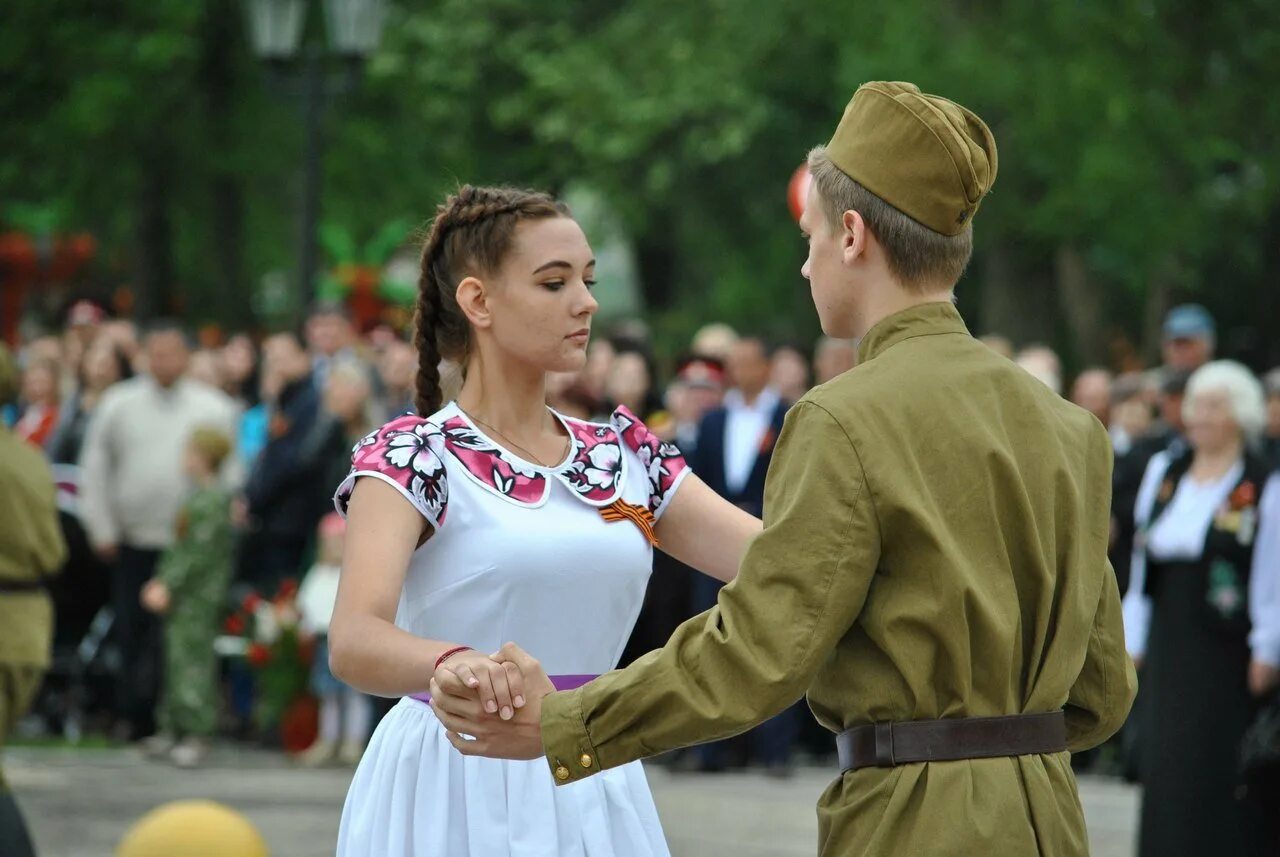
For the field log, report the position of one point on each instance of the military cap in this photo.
(928, 157)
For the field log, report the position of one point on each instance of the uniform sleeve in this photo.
(1264, 579)
(664, 464)
(802, 584)
(408, 454)
(1102, 694)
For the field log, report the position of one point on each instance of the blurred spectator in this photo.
(124, 333)
(347, 414)
(789, 372)
(568, 395)
(345, 713)
(31, 550)
(735, 446)
(1189, 338)
(133, 486)
(84, 322)
(41, 395)
(1271, 439)
(398, 371)
(104, 365)
(1203, 620)
(1131, 416)
(833, 357)
(281, 491)
(1092, 391)
(714, 340)
(329, 335)
(698, 389)
(1043, 364)
(595, 374)
(631, 381)
(240, 370)
(999, 344)
(206, 368)
(190, 591)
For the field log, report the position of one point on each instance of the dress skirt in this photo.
(414, 795)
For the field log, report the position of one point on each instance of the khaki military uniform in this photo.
(31, 550)
(934, 546)
(197, 570)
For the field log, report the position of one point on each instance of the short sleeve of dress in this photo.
(408, 454)
(663, 462)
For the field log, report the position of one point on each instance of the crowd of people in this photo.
(187, 475)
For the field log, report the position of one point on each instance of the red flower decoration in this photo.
(251, 602)
(767, 442)
(288, 588)
(258, 655)
(234, 624)
(1246, 494)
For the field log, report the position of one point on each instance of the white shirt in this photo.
(744, 428)
(132, 481)
(317, 597)
(1179, 534)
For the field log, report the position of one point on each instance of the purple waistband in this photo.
(560, 682)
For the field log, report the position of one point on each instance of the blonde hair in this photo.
(212, 444)
(920, 259)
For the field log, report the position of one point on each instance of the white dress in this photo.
(520, 553)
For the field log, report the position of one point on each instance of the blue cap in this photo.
(1188, 321)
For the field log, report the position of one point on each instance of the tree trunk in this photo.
(1082, 304)
(1010, 306)
(154, 262)
(218, 79)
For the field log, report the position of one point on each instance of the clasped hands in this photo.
(496, 700)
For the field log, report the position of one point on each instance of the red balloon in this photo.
(798, 190)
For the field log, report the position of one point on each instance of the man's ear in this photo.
(474, 303)
(853, 236)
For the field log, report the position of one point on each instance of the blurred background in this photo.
(255, 176)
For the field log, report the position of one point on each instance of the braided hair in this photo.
(472, 232)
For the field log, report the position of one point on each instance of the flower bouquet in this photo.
(265, 632)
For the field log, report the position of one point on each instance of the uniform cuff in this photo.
(570, 753)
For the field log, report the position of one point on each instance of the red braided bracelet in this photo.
(450, 653)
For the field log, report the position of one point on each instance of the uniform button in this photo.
(562, 773)
(585, 760)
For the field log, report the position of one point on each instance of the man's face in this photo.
(167, 356)
(327, 333)
(748, 366)
(1187, 353)
(284, 358)
(824, 268)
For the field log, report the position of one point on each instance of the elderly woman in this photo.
(1201, 616)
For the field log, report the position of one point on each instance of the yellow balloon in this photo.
(192, 828)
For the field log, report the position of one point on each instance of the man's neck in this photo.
(888, 298)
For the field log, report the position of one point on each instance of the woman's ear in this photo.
(853, 236)
(473, 301)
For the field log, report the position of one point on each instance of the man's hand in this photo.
(461, 712)
(108, 552)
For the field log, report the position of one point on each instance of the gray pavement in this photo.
(79, 803)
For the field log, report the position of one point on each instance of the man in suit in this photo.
(735, 446)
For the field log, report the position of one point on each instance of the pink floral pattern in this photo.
(662, 461)
(491, 467)
(409, 451)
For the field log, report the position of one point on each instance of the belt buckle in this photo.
(884, 745)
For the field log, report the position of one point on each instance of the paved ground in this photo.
(79, 803)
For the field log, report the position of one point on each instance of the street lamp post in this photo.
(276, 28)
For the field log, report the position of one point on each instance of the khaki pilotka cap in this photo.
(928, 157)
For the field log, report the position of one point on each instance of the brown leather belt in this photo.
(886, 745)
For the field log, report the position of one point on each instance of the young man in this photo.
(933, 568)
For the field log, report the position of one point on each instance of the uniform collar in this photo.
(927, 319)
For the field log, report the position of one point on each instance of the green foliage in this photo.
(1141, 131)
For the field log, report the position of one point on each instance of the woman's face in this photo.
(628, 381)
(345, 398)
(1210, 422)
(537, 308)
(101, 368)
(238, 358)
(40, 385)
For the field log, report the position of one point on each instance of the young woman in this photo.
(492, 518)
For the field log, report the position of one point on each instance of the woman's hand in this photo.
(1263, 678)
(461, 714)
(498, 687)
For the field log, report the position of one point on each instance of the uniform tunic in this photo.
(935, 545)
(518, 552)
